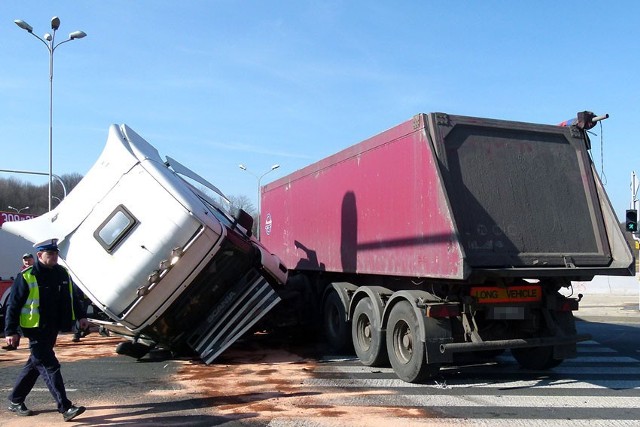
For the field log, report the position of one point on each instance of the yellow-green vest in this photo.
(30, 313)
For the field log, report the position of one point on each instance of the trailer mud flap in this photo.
(240, 308)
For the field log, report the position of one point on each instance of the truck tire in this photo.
(541, 358)
(368, 342)
(407, 353)
(337, 330)
(535, 358)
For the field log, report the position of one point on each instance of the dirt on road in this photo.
(251, 384)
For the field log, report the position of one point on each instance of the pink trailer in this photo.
(378, 207)
(445, 199)
(447, 234)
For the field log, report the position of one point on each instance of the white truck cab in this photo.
(158, 255)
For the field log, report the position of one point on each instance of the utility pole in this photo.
(259, 178)
(634, 191)
(49, 41)
(633, 206)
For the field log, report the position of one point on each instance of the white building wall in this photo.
(11, 250)
(12, 247)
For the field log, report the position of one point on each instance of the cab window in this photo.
(115, 228)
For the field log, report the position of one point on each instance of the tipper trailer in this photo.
(149, 243)
(447, 234)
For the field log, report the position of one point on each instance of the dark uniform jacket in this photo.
(55, 303)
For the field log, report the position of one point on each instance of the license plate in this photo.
(495, 294)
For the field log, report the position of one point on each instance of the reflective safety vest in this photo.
(30, 313)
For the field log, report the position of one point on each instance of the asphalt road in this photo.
(116, 390)
(260, 382)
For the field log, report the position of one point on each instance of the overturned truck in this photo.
(442, 235)
(448, 234)
(152, 245)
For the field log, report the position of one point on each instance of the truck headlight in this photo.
(176, 253)
(153, 277)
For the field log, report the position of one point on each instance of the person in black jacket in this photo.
(27, 261)
(41, 304)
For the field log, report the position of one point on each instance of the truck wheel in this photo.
(541, 358)
(336, 328)
(367, 341)
(535, 358)
(407, 353)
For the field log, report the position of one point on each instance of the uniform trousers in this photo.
(41, 362)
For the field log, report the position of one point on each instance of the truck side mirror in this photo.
(245, 220)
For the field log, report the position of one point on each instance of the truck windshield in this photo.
(216, 208)
(221, 215)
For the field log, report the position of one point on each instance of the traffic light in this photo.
(632, 220)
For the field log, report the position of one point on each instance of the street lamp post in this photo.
(18, 210)
(49, 42)
(64, 188)
(259, 178)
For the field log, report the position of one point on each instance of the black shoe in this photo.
(20, 409)
(73, 412)
(75, 339)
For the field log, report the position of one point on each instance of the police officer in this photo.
(41, 304)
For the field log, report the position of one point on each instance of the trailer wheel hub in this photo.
(367, 331)
(406, 341)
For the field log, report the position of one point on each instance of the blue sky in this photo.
(218, 83)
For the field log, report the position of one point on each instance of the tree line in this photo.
(32, 199)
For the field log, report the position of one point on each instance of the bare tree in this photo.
(19, 194)
(243, 202)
